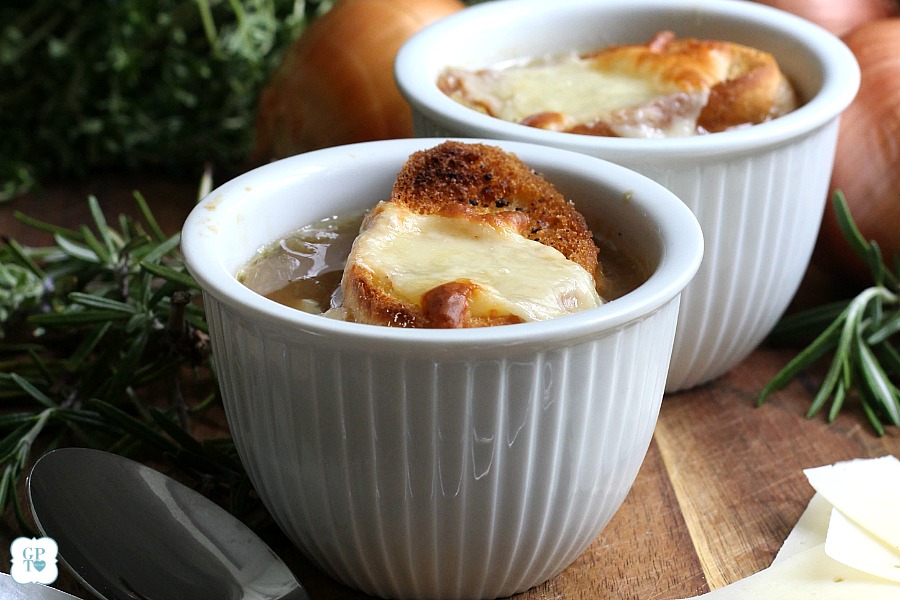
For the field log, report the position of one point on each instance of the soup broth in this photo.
(304, 269)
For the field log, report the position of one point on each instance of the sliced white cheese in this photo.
(834, 552)
(583, 92)
(866, 491)
(852, 545)
(810, 574)
(573, 87)
(810, 531)
(514, 275)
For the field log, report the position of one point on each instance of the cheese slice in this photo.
(810, 574)
(414, 253)
(852, 545)
(866, 491)
(810, 530)
(844, 541)
(581, 92)
(839, 548)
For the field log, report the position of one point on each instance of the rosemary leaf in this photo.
(170, 274)
(887, 354)
(876, 423)
(889, 326)
(837, 402)
(21, 256)
(835, 377)
(878, 383)
(9, 445)
(76, 317)
(77, 250)
(102, 254)
(8, 481)
(94, 301)
(13, 420)
(858, 334)
(110, 337)
(132, 426)
(160, 250)
(102, 228)
(87, 347)
(153, 224)
(127, 364)
(178, 434)
(806, 324)
(89, 418)
(43, 226)
(822, 345)
(33, 391)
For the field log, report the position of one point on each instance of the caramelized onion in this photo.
(335, 84)
(867, 164)
(837, 16)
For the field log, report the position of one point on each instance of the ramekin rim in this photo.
(678, 229)
(841, 77)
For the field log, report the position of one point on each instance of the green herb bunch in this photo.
(101, 337)
(858, 335)
(170, 84)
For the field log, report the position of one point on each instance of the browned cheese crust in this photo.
(752, 89)
(745, 86)
(477, 182)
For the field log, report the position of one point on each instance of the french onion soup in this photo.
(667, 87)
(470, 237)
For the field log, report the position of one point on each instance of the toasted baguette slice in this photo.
(667, 87)
(470, 237)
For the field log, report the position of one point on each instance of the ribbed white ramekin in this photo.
(758, 192)
(439, 463)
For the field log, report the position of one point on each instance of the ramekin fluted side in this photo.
(408, 476)
(760, 217)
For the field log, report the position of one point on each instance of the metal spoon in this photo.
(12, 590)
(129, 532)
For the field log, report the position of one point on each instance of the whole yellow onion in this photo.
(867, 164)
(837, 16)
(335, 84)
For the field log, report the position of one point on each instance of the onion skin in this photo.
(867, 163)
(838, 16)
(335, 84)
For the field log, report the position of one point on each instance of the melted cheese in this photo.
(514, 275)
(582, 93)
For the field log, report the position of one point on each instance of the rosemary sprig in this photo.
(100, 334)
(858, 335)
(165, 84)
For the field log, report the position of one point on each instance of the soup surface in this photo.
(304, 269)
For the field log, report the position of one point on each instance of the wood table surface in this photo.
(720, 488)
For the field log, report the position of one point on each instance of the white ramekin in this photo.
(758, 193)
(439, 463)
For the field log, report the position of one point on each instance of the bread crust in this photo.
(736, 84)
(478, 182)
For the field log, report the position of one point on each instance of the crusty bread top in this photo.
(483, 181)
(478, 183)
(745, 85)
(674, 86)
